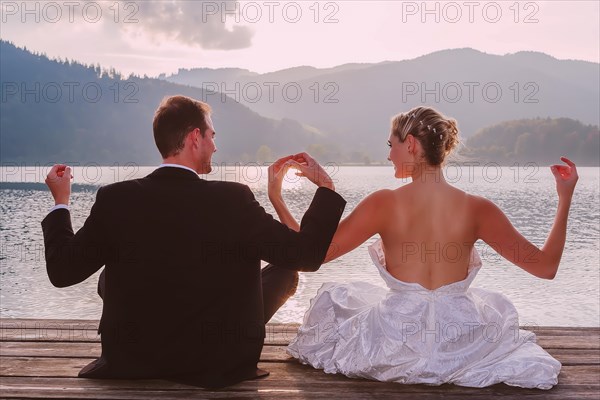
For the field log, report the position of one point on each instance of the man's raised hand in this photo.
(59, 182)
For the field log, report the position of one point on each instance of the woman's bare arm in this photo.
(495, 229)
(366, 220)
(285, 216)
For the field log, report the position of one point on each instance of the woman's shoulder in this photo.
(480, 203)
(378, 196)
(471, 200)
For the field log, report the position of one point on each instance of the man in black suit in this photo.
(184, 296)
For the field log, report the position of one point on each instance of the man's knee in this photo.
(101, 284)
(295, 281)
(280, 277)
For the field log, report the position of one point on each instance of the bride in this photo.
(429, 326)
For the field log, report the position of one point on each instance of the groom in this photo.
(184, 297)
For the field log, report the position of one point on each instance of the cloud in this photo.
(198, 23)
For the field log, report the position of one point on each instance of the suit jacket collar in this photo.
(174, 173)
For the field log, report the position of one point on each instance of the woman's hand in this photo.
(311, 169)
(277, 172)
(566, 178)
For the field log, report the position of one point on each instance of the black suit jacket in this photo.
(183, 292)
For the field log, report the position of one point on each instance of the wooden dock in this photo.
(41, 359)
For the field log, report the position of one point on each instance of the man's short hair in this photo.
(174, 119)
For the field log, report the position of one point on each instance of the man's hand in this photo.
(59, 182)
(311, 169)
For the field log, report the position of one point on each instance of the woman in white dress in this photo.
(429, 326)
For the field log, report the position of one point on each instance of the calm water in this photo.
(527, 195)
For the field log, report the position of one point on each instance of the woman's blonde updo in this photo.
(437, 134)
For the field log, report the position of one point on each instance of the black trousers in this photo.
(278, 285)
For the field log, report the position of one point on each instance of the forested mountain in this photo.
(541, 141)
(58, 110)
(63, 111)
(355, 103)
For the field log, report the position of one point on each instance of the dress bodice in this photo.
(378, 256)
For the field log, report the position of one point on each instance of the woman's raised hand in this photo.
(566, 178)
(311, 169)
(277, 172)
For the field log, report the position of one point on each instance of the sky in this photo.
(153, 37)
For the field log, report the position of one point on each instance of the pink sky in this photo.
(162, 36)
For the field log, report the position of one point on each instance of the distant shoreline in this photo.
(474, 163)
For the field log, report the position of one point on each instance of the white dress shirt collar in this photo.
(177, 166)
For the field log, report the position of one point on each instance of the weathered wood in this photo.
(289, 382)
(24, 323)
(92, 350)
(274, 336)
(69, 367)
(41, 358)
(269, 353)
(95, 389)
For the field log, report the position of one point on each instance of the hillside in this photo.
(540, 141)
(63, 111)
(55, 110)
(355, 104)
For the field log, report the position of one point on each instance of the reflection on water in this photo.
(526, 195)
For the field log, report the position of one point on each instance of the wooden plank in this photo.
(269, 353)
(40, 358)
(289, 378)
(69, 367)
(566, 331)
(67, 332)
(25, 323)
(92, 350)
(52, 330)
(576, 356)
(276, 394)
(53, 333)
(95, 322)
(290, 382)
(563, 342)
(33, 322)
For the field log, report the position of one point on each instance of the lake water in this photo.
(526, 194)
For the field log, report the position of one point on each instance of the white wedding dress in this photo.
(409, 334)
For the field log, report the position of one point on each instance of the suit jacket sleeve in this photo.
(304, 250)
(73, 257)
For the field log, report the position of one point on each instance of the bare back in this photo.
(428, 234)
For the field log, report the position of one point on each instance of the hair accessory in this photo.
(421, 122)
(441, 136)
(429, 127)
(434, 130)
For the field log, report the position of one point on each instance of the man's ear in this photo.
(194, 137)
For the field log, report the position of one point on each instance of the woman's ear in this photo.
(411, 144)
